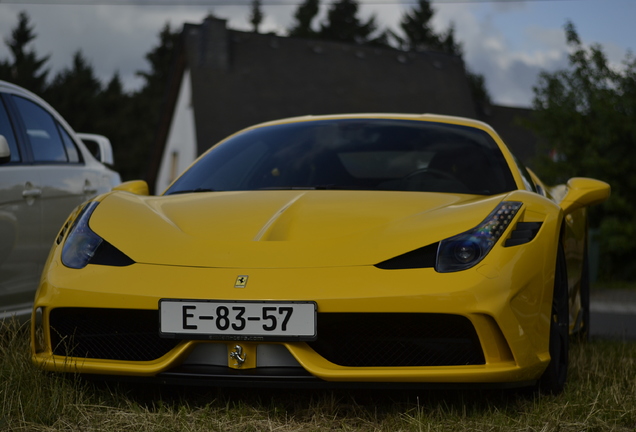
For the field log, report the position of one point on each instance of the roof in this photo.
(240, 79)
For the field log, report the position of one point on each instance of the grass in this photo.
(600, 396)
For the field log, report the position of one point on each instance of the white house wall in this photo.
(180, 150)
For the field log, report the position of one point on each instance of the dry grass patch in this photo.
(600, 396)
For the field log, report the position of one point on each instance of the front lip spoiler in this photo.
(285, 377)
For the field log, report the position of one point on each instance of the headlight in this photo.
(465, 250)
(82, 242)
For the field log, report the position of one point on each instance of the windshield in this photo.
(360, 154)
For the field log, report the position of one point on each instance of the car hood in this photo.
(274, 229)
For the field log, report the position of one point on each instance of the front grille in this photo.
(112, 334)
(346, 339)
(397, 339)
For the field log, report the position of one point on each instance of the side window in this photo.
(42, 129)
(7, 131)
(525, 176)
(71, 150)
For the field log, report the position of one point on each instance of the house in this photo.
(225, 80)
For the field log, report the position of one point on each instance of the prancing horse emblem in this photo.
(238, 355)
(241, 281)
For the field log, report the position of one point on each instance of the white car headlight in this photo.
(467, 249)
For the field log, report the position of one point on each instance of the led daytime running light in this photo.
(465, 250)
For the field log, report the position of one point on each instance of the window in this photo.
(71, 150)
(356, 154)
(49, 141)
(7, 131)
(527, 179)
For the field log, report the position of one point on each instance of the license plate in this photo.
(237, 320)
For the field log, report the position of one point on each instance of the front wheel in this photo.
(553, 379)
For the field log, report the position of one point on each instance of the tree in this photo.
(27, 68)
(74, 93)
(419, 35)
(256, 15)
(585, 114)
(145, 107)
(160, 59)
(343, 24)
(304, 16)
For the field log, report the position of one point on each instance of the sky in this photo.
(509, 42)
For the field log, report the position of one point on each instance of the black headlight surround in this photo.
(83, 246)
(423, 257)
(108, 255)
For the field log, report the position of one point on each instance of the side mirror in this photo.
(584, 192)
(138, 187)
(5, 151)
(99, 146)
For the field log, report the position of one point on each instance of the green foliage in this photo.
(256, 15)
(304, 16)
(343, 24)
(419, 35)
(74, 92)
(160, 59)
(128, 120)
(585, 114)
(145, 106)
(26, 68)
(477, 84)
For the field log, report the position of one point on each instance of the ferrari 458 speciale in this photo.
(344, 250)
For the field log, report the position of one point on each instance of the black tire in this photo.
(554, 377)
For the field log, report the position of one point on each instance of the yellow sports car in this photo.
(345, 250)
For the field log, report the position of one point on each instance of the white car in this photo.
(99, 146)
(45, 172)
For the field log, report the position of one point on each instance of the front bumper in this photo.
(506, 309)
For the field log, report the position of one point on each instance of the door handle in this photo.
(30, 191)
(88, 189)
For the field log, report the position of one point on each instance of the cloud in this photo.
(496, 43)
(510, 70)
(112, 38)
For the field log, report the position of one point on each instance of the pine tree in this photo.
(26, 70)
(304, 16)
(160, 59)
(74, 91)
(418, 33)
(256, 15)
(449, 44)
(343, 24)
(145, 107)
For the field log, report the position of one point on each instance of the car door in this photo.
(65, 178)
(21, 252)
